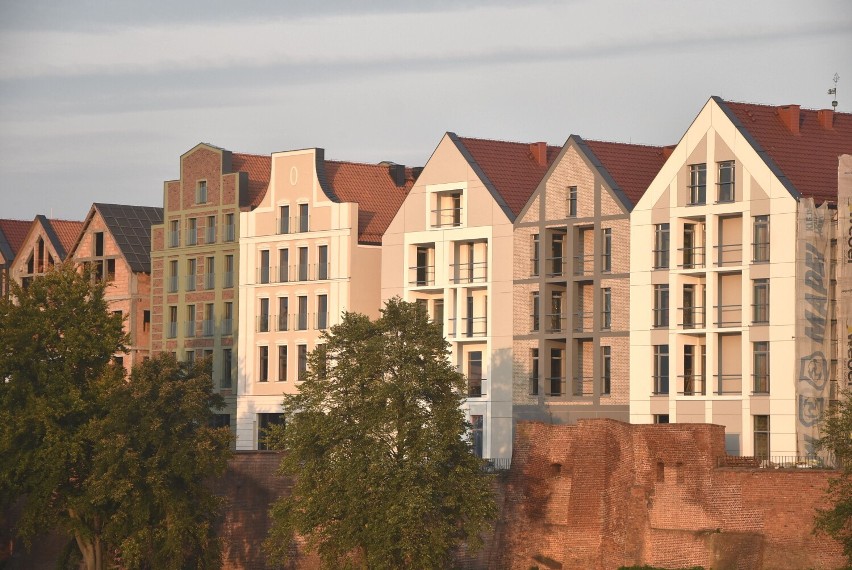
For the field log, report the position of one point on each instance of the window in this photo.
(174, 233)
(220, 421)
(761, 437)
(322, 312)
(606, 369)
(283, 265)
(190, 356)
(661, 369)
(263, 317)
(476, 429)
(98, 238)
(661, 305)
(173, 317)
(606, 256)
(572, 201)
(284, 219)
(661, 418)
(689, 308)
(229, 271)
(556, 375)
(322, 262)
(208, 326)
(201, 192)
(302, 317)
(264, 422)
(697, 184)
(282, 363)
(190, 320)
(661, 246)
(226, 368)
(191, 268)
(210, 237)
(304, 224)
(263, 270)
(230, 229)
(534, 372)
(110, 269)
(474, 373)
(556, 249)
(302, 361)
(227, 318)
(691, 253)
(536, 252)
(303, 264)
(283, 310)
(146, 320)
(760, 370)
(209, 272)
(555, 311)
(760, 245)
(761, 301)
(536, 314)
(726, 182)
(263, 364)
(693, 379)
(424, 270)
(606, 308)
(173, 276)
(322, 361)
(191, 231)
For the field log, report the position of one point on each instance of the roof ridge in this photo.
(769, 106)
(638, 145)
(504, 141)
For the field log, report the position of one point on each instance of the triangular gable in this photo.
(130, 229)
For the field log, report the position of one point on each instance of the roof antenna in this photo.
(833, 91)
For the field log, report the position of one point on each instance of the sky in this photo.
(98, 99)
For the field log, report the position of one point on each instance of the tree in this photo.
(377, 443)
(105, 460)
(836, 437)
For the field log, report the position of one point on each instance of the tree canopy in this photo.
(377, 443)
(118, 465)
(836, 437)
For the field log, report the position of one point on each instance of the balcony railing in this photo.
(192, 237)
(555, 386)
(174, 239)
(469, 327)
(556, 266)
(421, 275)
(780, 462)
(583, 321)
(584, 264)
(693, 385)
(321, 321)
(172, 330)
(555, 322)
(208, 327)
(300, 321)
(729, 254)
(729, 315)
(263, 274)
(227, 327)
(533, 385)
(760, 313)
(692, 257)
(229, 279)
(692, 317)
(474, 387)
(190, 329)
(760, 252)
(729, 384)
(582, 386)
(262, 323)
(230, 233)
(535, 322)
(661, 385)
(446, 217)
(476, 272)
(760, 383)
(209, 280)
(283, 322)
(210, 234)
(190, 282)
(172, 284)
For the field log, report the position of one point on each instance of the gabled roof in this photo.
(806, 162)
(510, 170)
(375, 190)
(627, 168)
(63, 234)
(130, 227)
(258, 168)
(12, 236)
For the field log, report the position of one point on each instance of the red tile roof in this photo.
(632, 167)
(15, 232)
(375, 191)
(808, 160)
(510, 168)
(259, 169)
(67, 232)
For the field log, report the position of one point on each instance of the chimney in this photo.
(415, 172)
(539, 153)
(825, 117)
(397, 173)
(789, 115)
(668, 150)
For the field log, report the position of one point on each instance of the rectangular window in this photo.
(761, 437)
(555, 312)
(661, 369)
(606, 369)
(229, 271)
(146, 320)
(191, 269)
(173, 317)
(110, 269)
(572, 201)
(534, 372)
(761, 367)
(661, 305)
(760, 245)
(557, 244)
(173, 276)
(606, 255)
(303, 264)
(302, 317)
(209, 272)
(263, 270)
(322, 312)
(476, 435)
(304, 222)
(536, 314)
(263, 364)
(536, 252)
(606, 308)
(264, 422)
(322, 262)
(99, 243)
(190, 320)
(283, 265)
(209, 324)
(201, 192)
(557, 378)
(263, 317)
(438, 313)
(283, 311)
(210, 237)
(174, 233)
(282, 363)
(697, 184)
(661, 418)
(190, 356)
(424, 270)
(726, 181)
(474, 374)
(691, 253)
(284, 219)
(226, 368)
(302, 358)
(191, 231)
(661, 246)
(228, 318)
(230, 228)
(761, 301)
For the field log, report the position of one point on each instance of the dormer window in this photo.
(448, 209)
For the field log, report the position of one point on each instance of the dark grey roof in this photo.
(130, 226)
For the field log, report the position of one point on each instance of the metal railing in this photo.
(760, 252)
(533, 385)
(172, 331)
(692, 317)
(692, 385)
(210, 234)
(555, 322)
(760, 313)
(230, 233)
(826, 461)
(190, 282)
(190, 329)
(729, 315)
(444, 217)
(556, 266)
(172, 284)
(584, 264)
(474, 387)
(583, 321)
(582, 386)
(174, 238)
(229, 279)
(692, 257)
(263, 274)
(300, 321)
(729, 384)
(192, 237)
(476, 272)
(421, 275)
(729, 254)
(208, 327)
(293, 224)
(262, 323)
(496, 464)
(209, 280)
(469, 326)
(555, 386)
(282, 322)
(227, 327)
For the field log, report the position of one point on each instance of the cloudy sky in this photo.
(99, 98)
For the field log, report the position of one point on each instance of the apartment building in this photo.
(572, 283)
(116, 240)
(12, 236)
(733, 289)
(195, 260)
(451, 248)
(47, 242)
(310, 250)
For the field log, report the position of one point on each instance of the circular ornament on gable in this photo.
(294, 175)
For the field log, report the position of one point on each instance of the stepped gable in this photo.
(375, 188)
(130, 226)
(511, 170)
(258, 168)
(802, 146)
(630, 167)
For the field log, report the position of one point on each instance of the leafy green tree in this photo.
(117, 465)
(384, 472)
(836, 437)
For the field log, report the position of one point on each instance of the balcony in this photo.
(556, 266)
(208, 327)
(661, 384)
(446, 217)
(282, 322)
(692, 317)
(555, 386)
(230, 232)
(209, 280)
(474, 387)
(476, 272)
(210, 234)
(692, 257)
(535, 322)
(582, 386)
(174, 239)
(321, 321)
(172, 330)
(760, 313)
(263, 275)
(190, 329)
(300, 321)
(727, 384)
(172, 284)
(227, 327)
(583, 321)
(584, 264)
(469, 327)
(693, 385)
(421, 275)
(190, 282)
(729, 254)
(555, 322)
(533, 385)
(729, 315)
(229, 279)
(760, 252)
(192, 237)
(262, 323)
